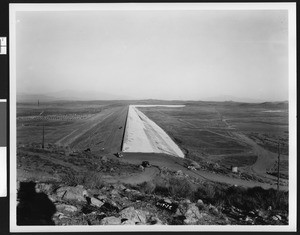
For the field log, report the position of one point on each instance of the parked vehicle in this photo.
(145, 164)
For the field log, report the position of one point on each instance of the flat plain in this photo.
(63, 141)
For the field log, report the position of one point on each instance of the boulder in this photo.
(167, 200)
(43, 187)
(77, 193)
(65, 207)
(112, 220)
(102, 197)
(96, 202)
(135, 215)
(192, 214)
(200, 203)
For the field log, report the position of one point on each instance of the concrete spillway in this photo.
(145, 136)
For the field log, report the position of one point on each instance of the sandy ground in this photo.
(145, 136)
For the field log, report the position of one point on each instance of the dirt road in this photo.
(175, 163)
(148, 174)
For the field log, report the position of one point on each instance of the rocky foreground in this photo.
(49, 203)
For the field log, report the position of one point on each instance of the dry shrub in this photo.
(245, 199)
(88, 179)
(147, 187)
(180, 188)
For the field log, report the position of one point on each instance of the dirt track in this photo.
(175, 163)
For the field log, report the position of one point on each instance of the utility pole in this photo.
(278, 168)
(43, 135)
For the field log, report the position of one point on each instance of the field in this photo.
(228, 133)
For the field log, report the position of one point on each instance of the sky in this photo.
(186, 55)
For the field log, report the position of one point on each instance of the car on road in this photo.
(145, 164)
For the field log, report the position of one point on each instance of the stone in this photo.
(135, 215)
(275, 218)
(102, 197)
(112, 220)
(141, 168)
(155, 221)
(104, 158)
(43, 187)
(179, 173)
(65, 207)
(192, 214)
(167, 200)
(96, 202)
(114, 192)
(200, 203)
(120, 187)
(186, 201)
(279, 217)
(128, 222)
(77, 193)
(213, 210)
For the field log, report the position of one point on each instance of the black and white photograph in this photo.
(152, 117)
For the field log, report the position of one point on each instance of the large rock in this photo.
(200, 203)
(43, 187)
(65, 207)
(112, 220)
(192, 214)
(137, 216)
(96, 202)
(77, 193)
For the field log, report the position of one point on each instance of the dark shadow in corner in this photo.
(34, 208)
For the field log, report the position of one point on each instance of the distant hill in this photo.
(222, 98)
(68, 95)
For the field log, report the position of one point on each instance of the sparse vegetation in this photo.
(88, 179)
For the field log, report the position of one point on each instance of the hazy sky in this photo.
(154, 54)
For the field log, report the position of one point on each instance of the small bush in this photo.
(93, 180)
(147, 187)
(174, 187)
(245, 199)
(180, 188)
(89, 179)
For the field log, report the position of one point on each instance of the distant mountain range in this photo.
(68, 95)
(234, 99)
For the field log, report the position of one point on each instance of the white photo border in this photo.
(290, 7)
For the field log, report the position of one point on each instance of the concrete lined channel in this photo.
(145, 136)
